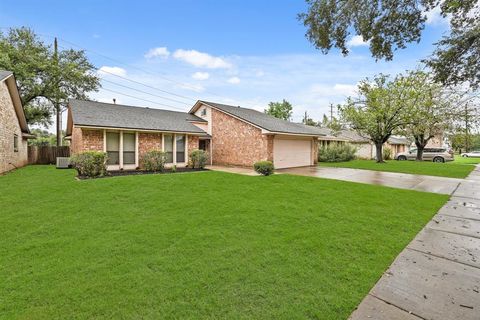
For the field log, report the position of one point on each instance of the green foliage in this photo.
(336, 152)
(390, 25)
(309, 121)
(198, 158)
(379, 111)
(154, 161)
(45, 138)
(281, 110)
(42, 77)
(174, 168)
(90, 163)
(387, 154)
(264, 167)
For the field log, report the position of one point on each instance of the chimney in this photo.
(114, 101)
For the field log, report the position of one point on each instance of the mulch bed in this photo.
(118, 173)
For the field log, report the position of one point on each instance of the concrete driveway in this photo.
(396, 180)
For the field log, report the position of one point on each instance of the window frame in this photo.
(15, 143)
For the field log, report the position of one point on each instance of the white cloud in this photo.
(434, 17)
(356, 41)
(201, 59)
(105, 70)
(192, 87)
(157, 52)
(234, 80)
(201, 75)
(259, 73)
(96, 36)
(338, 89)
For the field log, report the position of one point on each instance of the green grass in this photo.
(453, 169)
(464, 160)
(197, 245)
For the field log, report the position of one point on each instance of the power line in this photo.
(146, 100)
(141, 91)
(132, 66)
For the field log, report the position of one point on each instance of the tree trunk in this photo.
(420, 148)
(59, 124)
(379, 150)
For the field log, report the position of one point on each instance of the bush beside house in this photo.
(264, 167)
(90, 163)
(154, 161)
(336, 152)
(198, 159)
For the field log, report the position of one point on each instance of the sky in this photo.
(168, 54)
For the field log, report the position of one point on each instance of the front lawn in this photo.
(466, 160)
(453, 169)
(203, 245)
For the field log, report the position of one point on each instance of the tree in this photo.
(308, 121)
(390, 25)
(281, 110)
(431, 110)
(378, 112)
(46, 77)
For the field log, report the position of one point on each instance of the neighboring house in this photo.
(231, 135)
(14, 131)
(365, 148)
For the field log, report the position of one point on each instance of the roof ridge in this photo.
(128, 106)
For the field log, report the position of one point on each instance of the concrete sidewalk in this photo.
(437, 276)
(433, 184)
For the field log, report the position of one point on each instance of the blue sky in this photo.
(240, 52)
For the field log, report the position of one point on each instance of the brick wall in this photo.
(236, 142)
(92, 140)
(76, 144)
(148, 141)
(192, 143)
(9, 127)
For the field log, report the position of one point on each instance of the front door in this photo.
(202, 145)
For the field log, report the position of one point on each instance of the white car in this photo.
(472, 154)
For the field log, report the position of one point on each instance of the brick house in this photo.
(231, 135)
(14, 131)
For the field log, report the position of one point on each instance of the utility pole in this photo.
(331, 112)
(56, 103)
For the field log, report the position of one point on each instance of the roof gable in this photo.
(98, 114)
(9, 79)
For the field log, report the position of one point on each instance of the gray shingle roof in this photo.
(266, 121)
(398, 140)
(4, 74)
(98, 114)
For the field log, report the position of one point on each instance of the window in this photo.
(113, 148)
(129, 148)
(180, 141)
(168, 147)
(204, 112)
(15, 143)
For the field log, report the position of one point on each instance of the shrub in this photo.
(198, 158)
(90, 163)
(336, 152)
(174, 169)
(264, 167)
(154, 160)
(387, 154)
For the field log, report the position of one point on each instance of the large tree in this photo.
(430, 109)
(46, 78)
(378, 111)
(388, 25)
(281, 110)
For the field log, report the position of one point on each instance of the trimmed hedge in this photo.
(90, 163)
(264, 167)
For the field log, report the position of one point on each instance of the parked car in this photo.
(471, 154)
(429, 154)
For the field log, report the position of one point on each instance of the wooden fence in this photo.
(46, 154)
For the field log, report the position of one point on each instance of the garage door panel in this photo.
(291, 153)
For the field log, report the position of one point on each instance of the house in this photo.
(230, 134)
(365, 147)
(14, 131)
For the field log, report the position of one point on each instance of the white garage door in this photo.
(291, 153)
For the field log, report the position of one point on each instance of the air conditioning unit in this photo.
(63, 162)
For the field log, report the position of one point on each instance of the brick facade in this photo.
(86, 140)
(9, 158)
(238, 143)
(192, 143)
